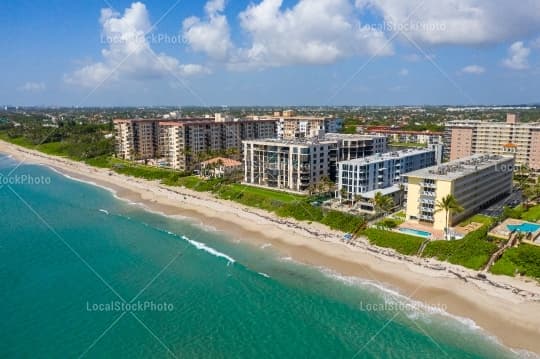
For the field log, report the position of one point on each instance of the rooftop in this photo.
(296, 141)
(344, 136)
(493, 123)
(227, 162)
(327, 138)
(384, 191)
(379, 157)
(460, 168)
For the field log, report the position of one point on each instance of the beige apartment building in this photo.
(291, 126)
(297, 164)
(522, 140)
(135, 139)
(181, 144)
(475, 181)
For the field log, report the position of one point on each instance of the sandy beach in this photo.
(508, 308)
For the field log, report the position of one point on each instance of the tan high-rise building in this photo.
(522, 140)
(475, 181)
(291, 126)
(136, 139)
(181, 144)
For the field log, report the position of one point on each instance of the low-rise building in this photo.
(476, 182)
(220, 167)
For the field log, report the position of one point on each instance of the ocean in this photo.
(83, 274)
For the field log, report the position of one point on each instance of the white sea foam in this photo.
(264, 274)
(418, 309)
(104, 211)
(82, 181)
(208, 249)
(266, 245)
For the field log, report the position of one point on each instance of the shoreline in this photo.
(507, 308)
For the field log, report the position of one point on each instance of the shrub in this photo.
(402, 243)
(524, 260)
(473, 251)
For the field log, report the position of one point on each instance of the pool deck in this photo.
(435, 234)
(502, 231)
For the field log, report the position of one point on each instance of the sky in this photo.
(269, 52)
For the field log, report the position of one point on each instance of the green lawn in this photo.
(473, 251)
(274, 195)
(402, 243)
(524, 260)
(532, 214)
(479, 218)
(519, 212)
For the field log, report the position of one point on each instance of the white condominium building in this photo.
(379, 171)
(298, 164)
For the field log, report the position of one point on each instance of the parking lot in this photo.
(497, 209)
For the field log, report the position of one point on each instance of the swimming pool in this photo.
(524, 227)
(415, 232)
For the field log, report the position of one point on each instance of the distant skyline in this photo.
(269, 52)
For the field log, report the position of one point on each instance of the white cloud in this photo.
(459, 22)
(32, 87)
(473, 69)
(211, 36)
(536, 43)
(214, 6)
(128, 54)
(311, 32)
(518, 56)
(404, 72)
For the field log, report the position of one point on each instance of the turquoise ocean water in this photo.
(69, 251)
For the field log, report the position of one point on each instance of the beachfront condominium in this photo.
(404, 136)
(290, 126)
(475, 181)
(364, 177)
(182, 144)
(299, 164)
(522, 140)
(136, 139)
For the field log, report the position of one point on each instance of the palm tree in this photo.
(357, 198)
(343, 194)
(528, 193)
(382, 203)
(449, 205)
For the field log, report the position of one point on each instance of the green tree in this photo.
(382, 204)
(449, 205)
(344, 194)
